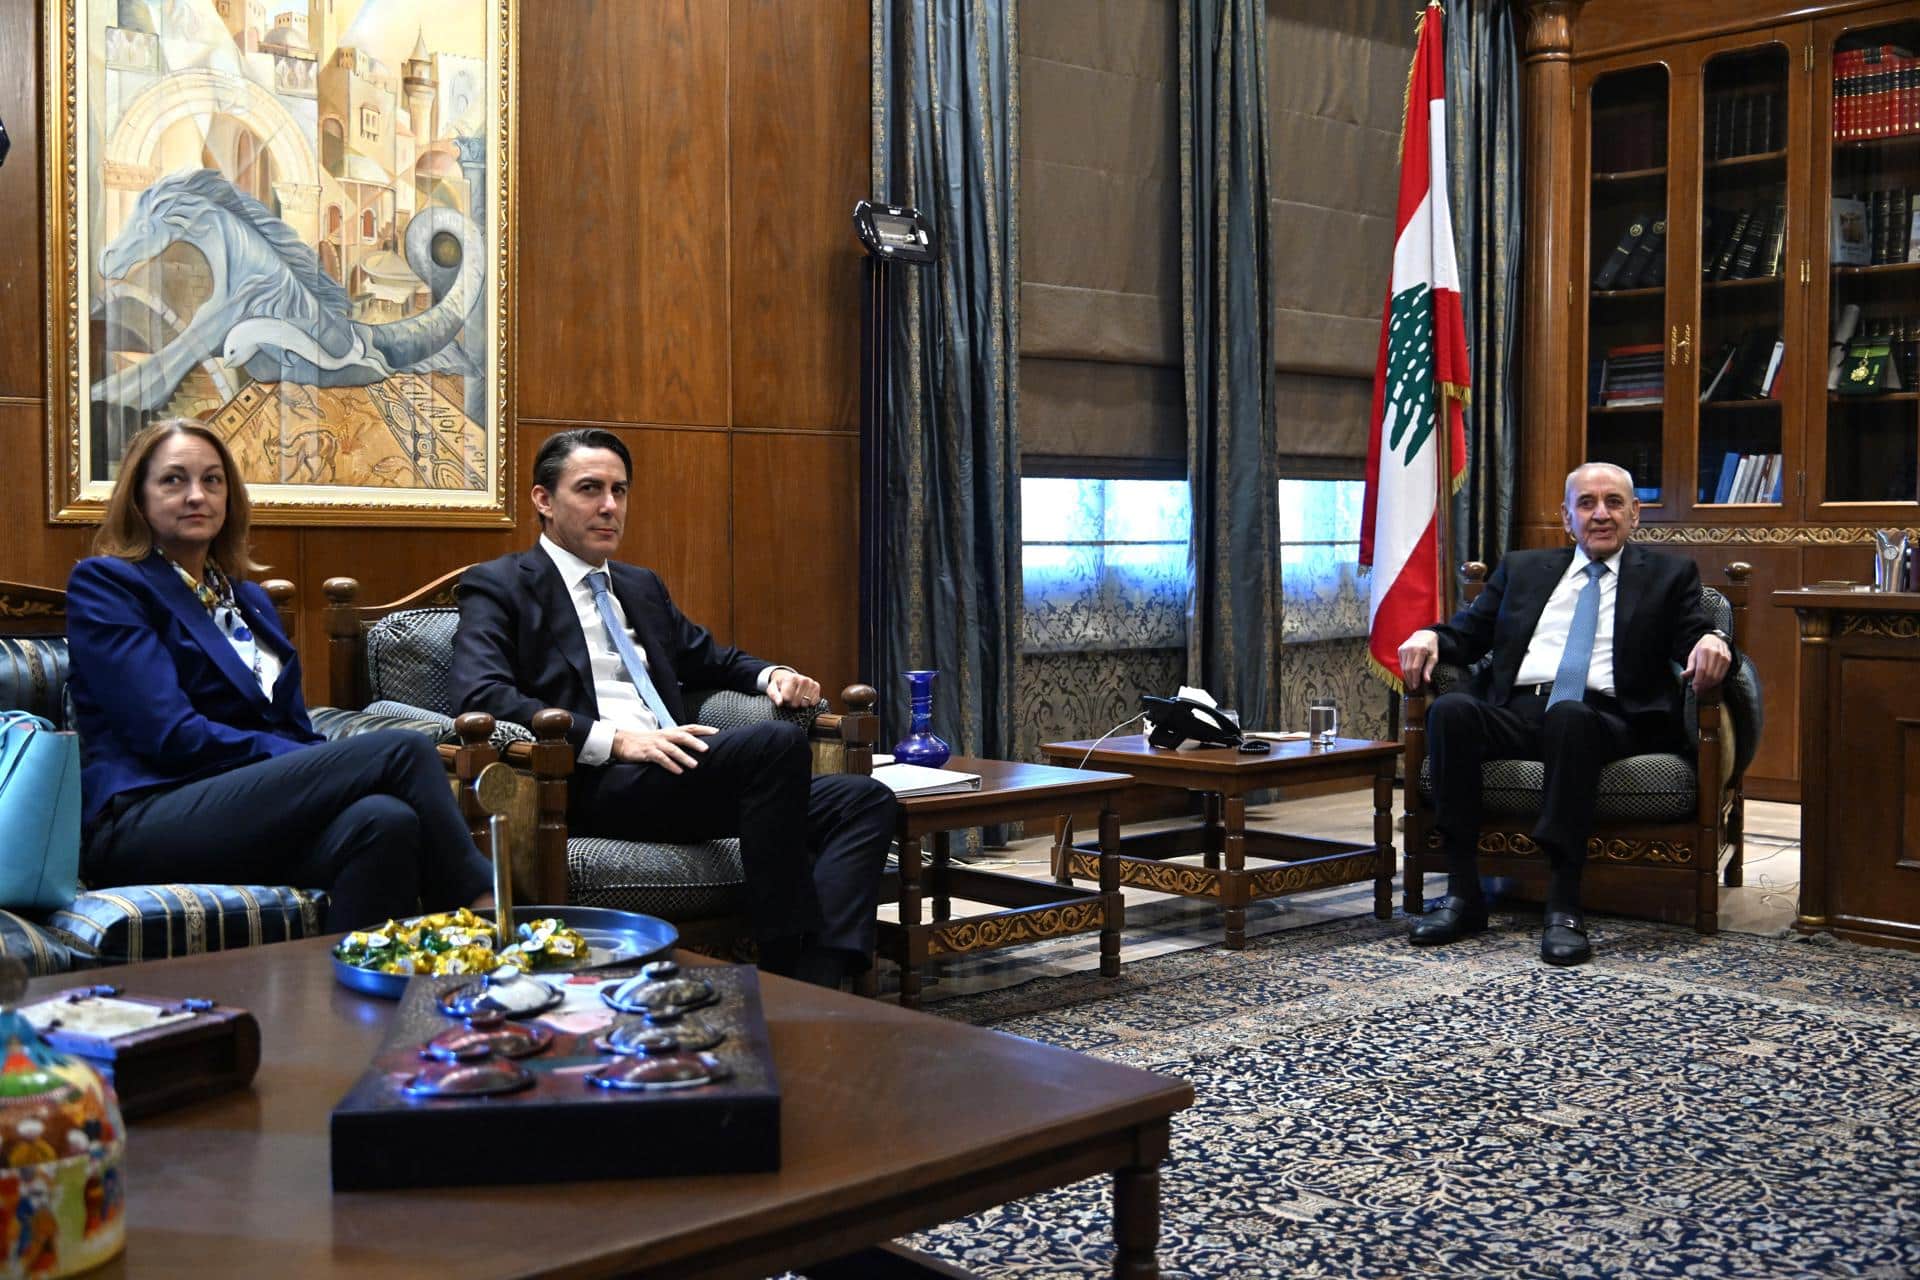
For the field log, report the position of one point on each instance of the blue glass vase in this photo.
(921, 745)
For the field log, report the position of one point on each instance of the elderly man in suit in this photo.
(564, 625)
(1584, 640)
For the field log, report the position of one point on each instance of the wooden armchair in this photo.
(1654, 816)
(394, 657)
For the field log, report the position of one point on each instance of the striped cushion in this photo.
(156, 921)
(33, 946)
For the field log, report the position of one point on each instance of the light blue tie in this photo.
(1570, 681)
(630, 657)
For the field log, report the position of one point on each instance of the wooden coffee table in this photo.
(1034, 909)
(239, 1184)
(1223, 777)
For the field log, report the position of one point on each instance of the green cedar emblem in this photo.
(1409, 398)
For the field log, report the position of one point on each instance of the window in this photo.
(1323, 596)
(1104, 563)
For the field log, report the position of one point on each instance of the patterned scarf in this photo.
(215, 591)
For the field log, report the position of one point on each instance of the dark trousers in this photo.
(370, 819)
(1575, 740)
(813, 849)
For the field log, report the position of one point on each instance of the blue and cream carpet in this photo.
(1681, 1107)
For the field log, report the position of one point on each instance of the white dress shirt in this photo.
(621, 706)
(1549, 642)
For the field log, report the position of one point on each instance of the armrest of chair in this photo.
(538, 815)
(843, 743)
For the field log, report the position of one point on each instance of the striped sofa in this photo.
(132, 922)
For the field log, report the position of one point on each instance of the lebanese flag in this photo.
(1420, 375)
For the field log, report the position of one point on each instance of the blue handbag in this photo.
(39, 813)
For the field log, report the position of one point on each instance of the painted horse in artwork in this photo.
(273, 311)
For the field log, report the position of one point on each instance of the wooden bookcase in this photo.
(1709, 129)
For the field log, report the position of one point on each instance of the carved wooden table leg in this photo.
(1383, 837)
(1136, 1209)
(913, 951)
(1234, 884)
(1110, 890)
(942, 900)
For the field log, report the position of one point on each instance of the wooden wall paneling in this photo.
(677, 519)
(1771, 637)
(623, 211)
(796, 562)
(31, 550)
(800, 133)
(22, 226)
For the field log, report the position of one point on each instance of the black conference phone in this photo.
(1178, 720)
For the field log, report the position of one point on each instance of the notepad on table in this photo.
(918, 780)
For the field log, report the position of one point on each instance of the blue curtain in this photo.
(1484, 128)
(1226, 271)
(946, 132)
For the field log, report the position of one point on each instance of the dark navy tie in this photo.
(630, 657)
(1570, 682)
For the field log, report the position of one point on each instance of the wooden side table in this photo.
(1223, 777)
(1033, 909)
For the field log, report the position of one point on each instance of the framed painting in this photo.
(291, 220)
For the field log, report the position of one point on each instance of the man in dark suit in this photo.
(1584, 642)
(563, 625)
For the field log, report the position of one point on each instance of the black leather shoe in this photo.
(1455, 918)
(1565, 940)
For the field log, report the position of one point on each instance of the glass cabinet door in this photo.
(1865, 454)
(1742, 353)
(1626, 314)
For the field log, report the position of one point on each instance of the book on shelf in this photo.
(1851, 243)
(1779, 476)
(1722, 361)
(1773, 369)
(1730, 249)
(1774, 258)
(1748, 379)
(1746, 254)
(1609, 272)
(1742, 478)
(1879, 205)
(1729, 467)
(1633, 274)
(1899, 219)
(918, 780)
(1913, 220)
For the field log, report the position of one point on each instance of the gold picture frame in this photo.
(296, 226)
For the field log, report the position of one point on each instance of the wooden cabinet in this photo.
(1706, 165)
(1860, 746)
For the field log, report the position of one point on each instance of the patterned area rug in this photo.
(1682, 1106)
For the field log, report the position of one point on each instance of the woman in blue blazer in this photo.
(200, 763)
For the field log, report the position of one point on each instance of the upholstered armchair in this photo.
(395, 658)
(1656, 817)
(127, 922)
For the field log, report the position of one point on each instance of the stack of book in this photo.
(1747, 369)
(1749, 477)
(1744, 244)
(1876, 93)
(1875, 228)
(1639, 260)
(1630, 377)
(1744, 123)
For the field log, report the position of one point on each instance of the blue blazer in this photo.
(159, 695)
